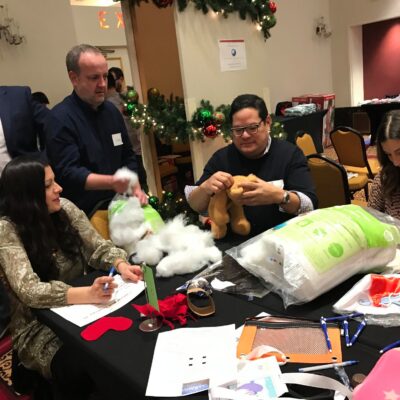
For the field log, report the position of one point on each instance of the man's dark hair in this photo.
(40, 97)
(116, 72)
(249, 101)
(110, 81)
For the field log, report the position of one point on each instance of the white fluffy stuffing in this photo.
(128, 226)
(188, 248)
(125, 173)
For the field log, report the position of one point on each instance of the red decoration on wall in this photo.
(102, 20)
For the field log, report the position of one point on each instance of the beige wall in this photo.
(291, 62)
(40, 61)
(347, 16)
(88, 28)
(156, 49)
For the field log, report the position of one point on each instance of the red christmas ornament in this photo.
(272, 6)
(210, 131)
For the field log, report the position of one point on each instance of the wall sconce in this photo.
(9, 29)
(321, 29)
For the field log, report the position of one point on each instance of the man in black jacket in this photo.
(284, 186)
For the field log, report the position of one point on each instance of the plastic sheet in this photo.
(315, 252)
(229, 271)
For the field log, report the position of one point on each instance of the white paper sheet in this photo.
(83, 314)
(232, 55)
(256, 380)
(199, 358)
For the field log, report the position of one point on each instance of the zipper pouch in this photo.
(300, 340)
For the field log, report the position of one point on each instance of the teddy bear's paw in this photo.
(218, 231)
(241, 227)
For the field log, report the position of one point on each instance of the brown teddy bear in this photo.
(223, 209)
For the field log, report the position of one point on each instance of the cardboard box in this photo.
(323, 102)
(303, 99)
(326, 102)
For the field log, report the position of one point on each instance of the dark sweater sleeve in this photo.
(298, 177)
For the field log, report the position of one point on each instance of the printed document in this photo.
(83, 314)
(200, 358)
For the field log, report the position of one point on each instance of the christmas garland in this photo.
(167, 118)
(260, 12)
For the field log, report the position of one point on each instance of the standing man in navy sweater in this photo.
(253, 151)
(86, 138)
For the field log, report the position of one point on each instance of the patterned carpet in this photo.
(371, 153)
(6, 391)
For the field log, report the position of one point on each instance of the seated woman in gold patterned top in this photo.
(46, 241)
(385, 191)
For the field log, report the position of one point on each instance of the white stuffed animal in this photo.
(127, 223)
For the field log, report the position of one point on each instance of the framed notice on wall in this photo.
(232, 55)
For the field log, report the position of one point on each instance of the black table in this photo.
(375, 113)
(120, 362)
(310, 123)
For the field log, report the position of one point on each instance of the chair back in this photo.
(330, 180)
(99, 220)
(350, 148)
(305, 142)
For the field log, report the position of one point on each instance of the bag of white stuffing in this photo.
(312, 253)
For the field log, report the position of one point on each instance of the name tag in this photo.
(117, 139)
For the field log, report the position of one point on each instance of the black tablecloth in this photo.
(120, 362)
(310, 123)
(375, 113)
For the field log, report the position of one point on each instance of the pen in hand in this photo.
(111, 273)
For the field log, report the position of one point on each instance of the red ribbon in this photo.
(172, 308)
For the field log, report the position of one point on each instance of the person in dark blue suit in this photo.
(21, 123)
(21, 132)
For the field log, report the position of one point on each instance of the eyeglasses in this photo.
(250, 129)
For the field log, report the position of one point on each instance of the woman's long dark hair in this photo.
(390, 174)
(23, 201)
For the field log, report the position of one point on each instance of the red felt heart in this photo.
(102, 325)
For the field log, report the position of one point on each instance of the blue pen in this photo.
(325, 330)
(360, 327)
(346, 332)
(390, 346)
(111, 273)
(344, 317)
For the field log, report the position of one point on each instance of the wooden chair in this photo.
(305, 142)
(351, 151)
(331, 183)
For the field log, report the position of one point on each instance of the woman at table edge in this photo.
(45, 242)
(385, 190)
